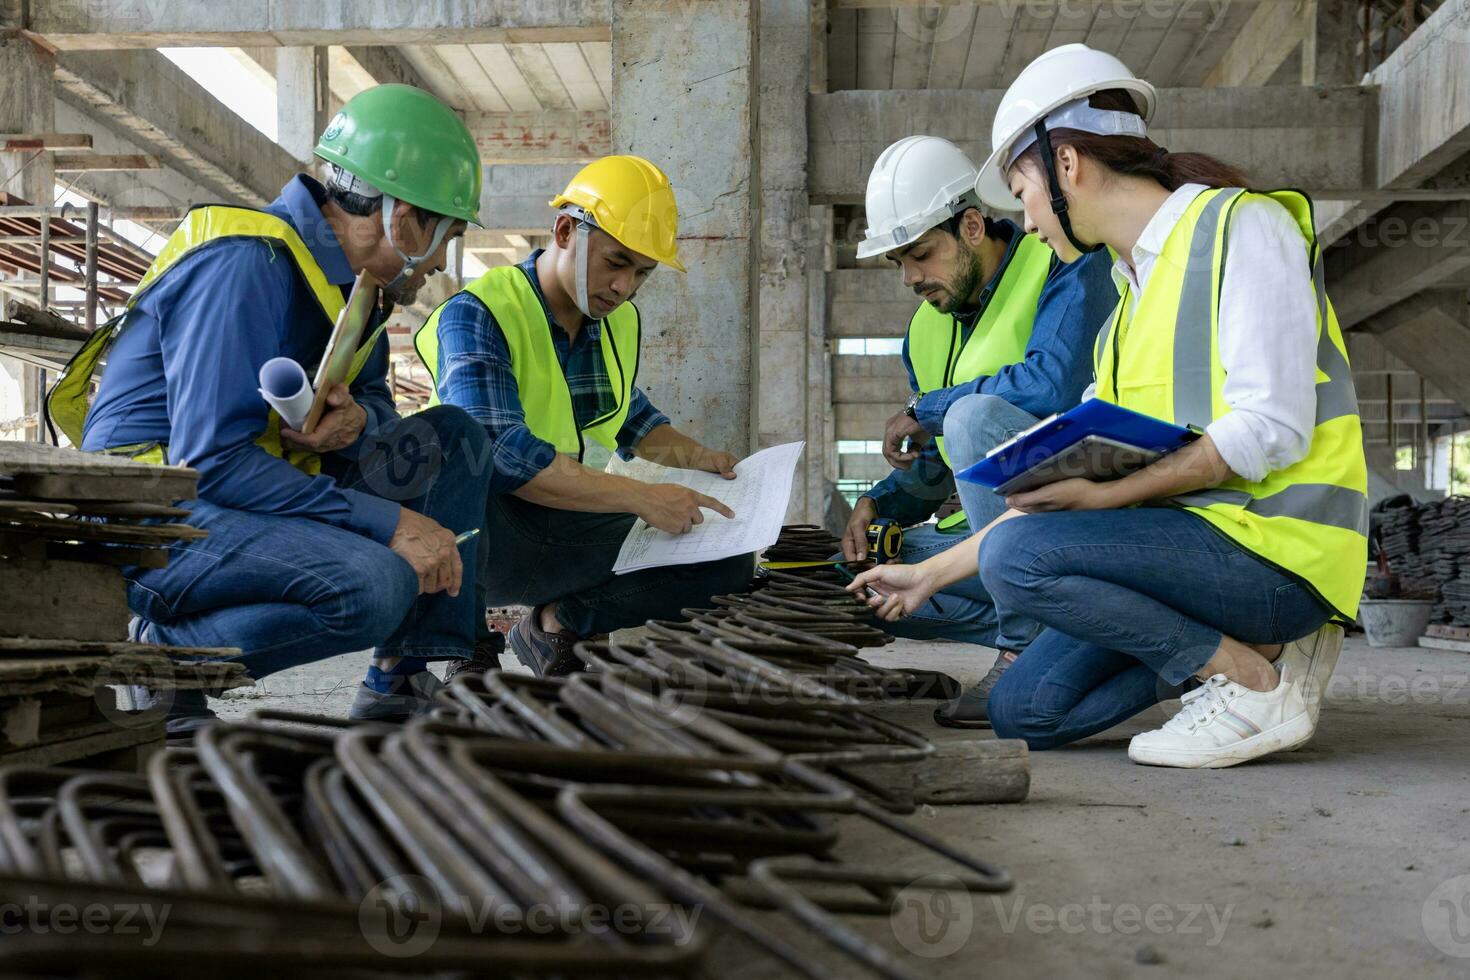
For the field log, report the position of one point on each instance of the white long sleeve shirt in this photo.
(1267, 331)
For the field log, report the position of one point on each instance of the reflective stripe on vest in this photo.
(1161, 357)
(545, 398)
(1000, 336)
(69, 399)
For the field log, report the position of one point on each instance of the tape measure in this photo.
(885, 539)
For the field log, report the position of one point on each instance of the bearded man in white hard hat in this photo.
(1002, 338)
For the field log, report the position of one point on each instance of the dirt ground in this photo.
(1349, 858)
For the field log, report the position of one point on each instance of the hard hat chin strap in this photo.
(584, 232)
(1054, 188)
(410, 262)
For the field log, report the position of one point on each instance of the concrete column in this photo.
(302, 99)
(791, 397)
(27, 105)
(683, 95)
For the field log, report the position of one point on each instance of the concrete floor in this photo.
(1349, 858)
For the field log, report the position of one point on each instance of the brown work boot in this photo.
(547, 654)
(486, 658)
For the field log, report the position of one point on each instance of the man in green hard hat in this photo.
(318, 544)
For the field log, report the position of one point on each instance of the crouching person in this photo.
(318, 544)
(544, 355)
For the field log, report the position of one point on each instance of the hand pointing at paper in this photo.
(675, 509)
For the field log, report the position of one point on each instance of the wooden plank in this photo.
(20, 142)
(64, 600)
(112, 748)
(104, 554)
(1441, 643)
(67, 529)
(16, 646)
(94, 163)
(93, 508)
(163, 489)
(38, 458)
(977, 769)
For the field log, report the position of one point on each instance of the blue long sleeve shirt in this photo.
(185, 371)
(474, 373)
(1057, 368)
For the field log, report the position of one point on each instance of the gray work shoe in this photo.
(185, 711)
(486, 658)
(969, 709)
(412, 694)
(547, 654)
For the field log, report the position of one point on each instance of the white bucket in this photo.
(1394, 622)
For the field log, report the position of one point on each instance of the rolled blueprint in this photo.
(284, 386)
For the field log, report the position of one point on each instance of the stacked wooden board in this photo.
(69, 523)
(1428, 545)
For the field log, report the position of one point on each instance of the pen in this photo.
(875, 594)
(461, 539)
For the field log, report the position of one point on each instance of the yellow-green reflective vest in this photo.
(545, 398)
(69, 400)
(999, 338)
(1162, 358)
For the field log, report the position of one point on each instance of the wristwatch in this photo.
(911, 407)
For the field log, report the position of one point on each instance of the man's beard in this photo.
(965, 283)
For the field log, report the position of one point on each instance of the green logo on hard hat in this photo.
(334, 128)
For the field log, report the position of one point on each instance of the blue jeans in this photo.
(973, 426)
(1134, 603)
(542, 555)
(290, 591)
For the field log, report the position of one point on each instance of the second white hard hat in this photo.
(917, 183)
(1058, 77)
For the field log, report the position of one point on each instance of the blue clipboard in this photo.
(1097, 440)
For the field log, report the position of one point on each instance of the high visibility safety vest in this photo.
(1163, 359)
(545, 398)
(999, 338)
(70, 398)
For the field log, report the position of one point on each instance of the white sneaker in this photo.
(1223, 724)
(1312, 659)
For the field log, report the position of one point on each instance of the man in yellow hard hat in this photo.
(322, 543)
(544, 355)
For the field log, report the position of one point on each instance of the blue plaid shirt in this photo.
(474, 373)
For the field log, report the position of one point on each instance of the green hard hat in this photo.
(407, 143)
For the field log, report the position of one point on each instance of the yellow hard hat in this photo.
(633, 201)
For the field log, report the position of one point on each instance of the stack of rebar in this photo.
(530, 827)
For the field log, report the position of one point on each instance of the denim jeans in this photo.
(290, 591)
(973, 426)
(537, 555)
(1134, 602)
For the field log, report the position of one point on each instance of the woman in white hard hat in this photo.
(1254, 544)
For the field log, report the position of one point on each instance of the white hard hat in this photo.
(1060, 79)
(917, 183)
